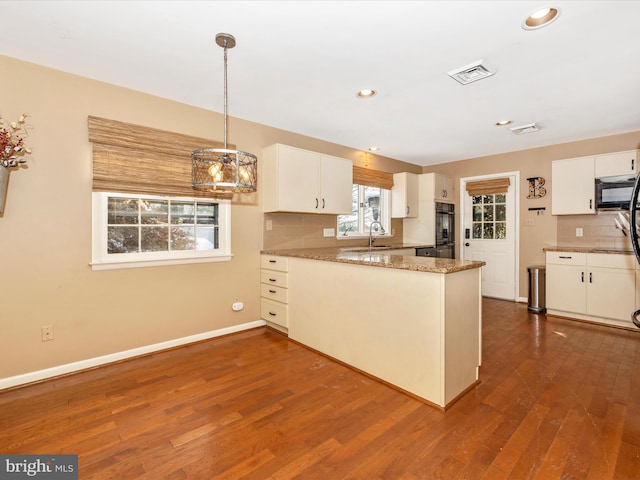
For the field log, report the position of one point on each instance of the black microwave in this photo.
(614, 193)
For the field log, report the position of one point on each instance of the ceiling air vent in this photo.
(529, 128)
(472, 72)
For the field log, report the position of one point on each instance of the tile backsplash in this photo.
(299, 230)
(599, 231)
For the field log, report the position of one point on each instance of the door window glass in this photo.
(489, 216)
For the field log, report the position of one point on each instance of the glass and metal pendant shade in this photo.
(223, 169)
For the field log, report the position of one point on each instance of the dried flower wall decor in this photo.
(12, 147)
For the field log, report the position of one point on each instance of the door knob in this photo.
(467, 244)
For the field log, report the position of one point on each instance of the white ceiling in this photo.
(297, 66)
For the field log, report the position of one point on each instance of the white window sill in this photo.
(106, 265)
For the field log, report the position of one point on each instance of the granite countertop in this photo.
(619, 251)
(377, 257)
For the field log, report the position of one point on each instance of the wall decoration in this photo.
(536, 188)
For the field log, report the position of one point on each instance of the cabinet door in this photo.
(404, 195)
(443, 188)
(566, 289)
(291, 179)
(611, 293)
(619, 163)
(573, 186)
(336, 185)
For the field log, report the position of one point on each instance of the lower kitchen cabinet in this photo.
(591, 286)
(274, 291)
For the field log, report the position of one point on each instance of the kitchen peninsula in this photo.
(413, 322)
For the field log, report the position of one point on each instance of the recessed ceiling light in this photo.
(541, 18)
(502, 123)
(374, 149)
(366, 93)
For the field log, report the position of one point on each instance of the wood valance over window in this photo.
(487, 187)
(372, 178)
(130, 158)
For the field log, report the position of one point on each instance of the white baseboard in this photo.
(114, 357)
(522, 300)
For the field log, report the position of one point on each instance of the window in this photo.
(490, 216)
(370, 204)
(145, 230)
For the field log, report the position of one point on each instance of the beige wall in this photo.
(548, 230)
(45, 232)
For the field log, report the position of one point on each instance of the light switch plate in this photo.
(329, 232)
(579, 232)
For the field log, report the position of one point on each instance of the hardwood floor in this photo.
(558, 400)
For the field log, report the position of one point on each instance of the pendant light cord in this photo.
(225, 94)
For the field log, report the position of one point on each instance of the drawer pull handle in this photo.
(590, 277)
(272, 261)
(561, 256)
(273, 314)
(272, 291)
(582, 277)
(272, 280)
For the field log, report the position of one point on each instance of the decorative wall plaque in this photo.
(536, 187)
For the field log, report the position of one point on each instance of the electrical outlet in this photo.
(329, 232)
(268, 225)
(529, 222)
(579, 232)
(47, 332)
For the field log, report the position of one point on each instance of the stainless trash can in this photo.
(536, 289)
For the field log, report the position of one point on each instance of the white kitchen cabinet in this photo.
(422, 230)
(297, 180)
(591, 286)
(618, 163)
(274, 291)
(573, 186)
(404, 195)
(442, 188)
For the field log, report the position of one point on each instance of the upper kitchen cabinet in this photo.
(404, 195)
(301, 181)
(572, 186)
(619, 163)
(442, 188)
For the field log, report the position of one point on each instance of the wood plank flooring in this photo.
(558, 400)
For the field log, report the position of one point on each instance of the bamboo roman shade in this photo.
(130, 158)
(487, 187)
(372, 178)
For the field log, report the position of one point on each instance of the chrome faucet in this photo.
(371, 231)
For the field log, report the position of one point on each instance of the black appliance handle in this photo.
(633, 226)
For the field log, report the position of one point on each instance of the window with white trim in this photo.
(148, 230)
(369, 204)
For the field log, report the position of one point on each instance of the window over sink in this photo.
(369, 205)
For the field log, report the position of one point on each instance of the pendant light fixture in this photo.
(222, 169)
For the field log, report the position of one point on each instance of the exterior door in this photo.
(489, 234)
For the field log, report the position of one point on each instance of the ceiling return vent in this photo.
(472, 72)
(522, 129)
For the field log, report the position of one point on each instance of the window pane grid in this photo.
(489, 215)
(369, 204)
(141, 225)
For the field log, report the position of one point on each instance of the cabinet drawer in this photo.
(271, 277)
(274, 312)
(278, 294)
(272, 262)
(567, 258)
(611, 260)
